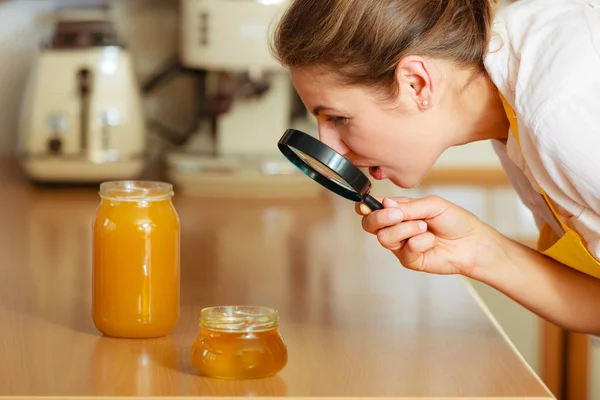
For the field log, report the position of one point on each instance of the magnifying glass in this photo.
(327, 167)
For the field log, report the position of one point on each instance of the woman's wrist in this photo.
(555, 292)
(495, 261)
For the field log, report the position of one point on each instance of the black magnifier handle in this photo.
(372, 203)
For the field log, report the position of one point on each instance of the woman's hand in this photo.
(433, 235)
(456, 241)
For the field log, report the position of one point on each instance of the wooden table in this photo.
(356, 323)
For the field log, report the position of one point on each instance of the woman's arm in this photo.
(557, 293)
(436, 236)
(562, 152)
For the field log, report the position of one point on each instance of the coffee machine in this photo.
(81, 118)
(249, 97)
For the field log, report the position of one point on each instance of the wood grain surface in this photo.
(356, 323)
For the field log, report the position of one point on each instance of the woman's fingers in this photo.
(413, 252)
(402, 210)
(390, 215)
(363, 209)
(380, 219)
(426, 208)
(393, 237)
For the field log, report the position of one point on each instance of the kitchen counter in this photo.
(356, 323)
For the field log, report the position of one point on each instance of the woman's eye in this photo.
(337, 120)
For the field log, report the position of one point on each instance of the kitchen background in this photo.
(152, 30)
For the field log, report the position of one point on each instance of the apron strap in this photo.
(514, 126)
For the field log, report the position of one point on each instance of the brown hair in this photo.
(362, 41)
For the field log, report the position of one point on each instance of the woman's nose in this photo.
(332, 139)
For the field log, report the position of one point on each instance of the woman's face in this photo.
(399, 140)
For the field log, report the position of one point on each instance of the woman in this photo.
(394, 83)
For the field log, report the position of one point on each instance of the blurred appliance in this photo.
(81, 118)
(246, 97)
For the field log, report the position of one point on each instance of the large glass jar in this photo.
(239, 342)
(136, 260)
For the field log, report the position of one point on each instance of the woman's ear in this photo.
(414, 76)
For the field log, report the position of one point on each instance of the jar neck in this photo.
(239, 319)
(238, 333)
(136, 191)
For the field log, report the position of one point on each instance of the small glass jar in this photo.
(135, 290)
(239, 342)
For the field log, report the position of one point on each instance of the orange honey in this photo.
(135, 291)
(239, 342)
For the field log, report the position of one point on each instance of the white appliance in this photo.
(229, 40)
(82, 119)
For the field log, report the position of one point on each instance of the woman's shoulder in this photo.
(543, 52)
(545, 59)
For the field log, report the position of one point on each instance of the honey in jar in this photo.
(135, 290)
(239, 342)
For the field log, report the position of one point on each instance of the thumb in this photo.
(363, 209)
(426, 208)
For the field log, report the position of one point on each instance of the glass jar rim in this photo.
(136, 190)
(238, 318)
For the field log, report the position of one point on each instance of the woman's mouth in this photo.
(376, 173)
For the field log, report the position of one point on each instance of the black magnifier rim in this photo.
(354, 177)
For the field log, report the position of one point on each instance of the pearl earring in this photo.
(425, 103)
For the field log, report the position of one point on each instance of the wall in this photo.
(23, 24)
(594, 375)
(19, 34)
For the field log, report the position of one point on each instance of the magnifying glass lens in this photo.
(327, 167)
(322, 169)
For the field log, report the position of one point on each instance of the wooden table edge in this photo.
(488, 313)
(265, 398)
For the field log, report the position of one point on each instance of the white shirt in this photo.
(544, 57)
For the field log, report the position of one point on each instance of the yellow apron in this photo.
(568, 249)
